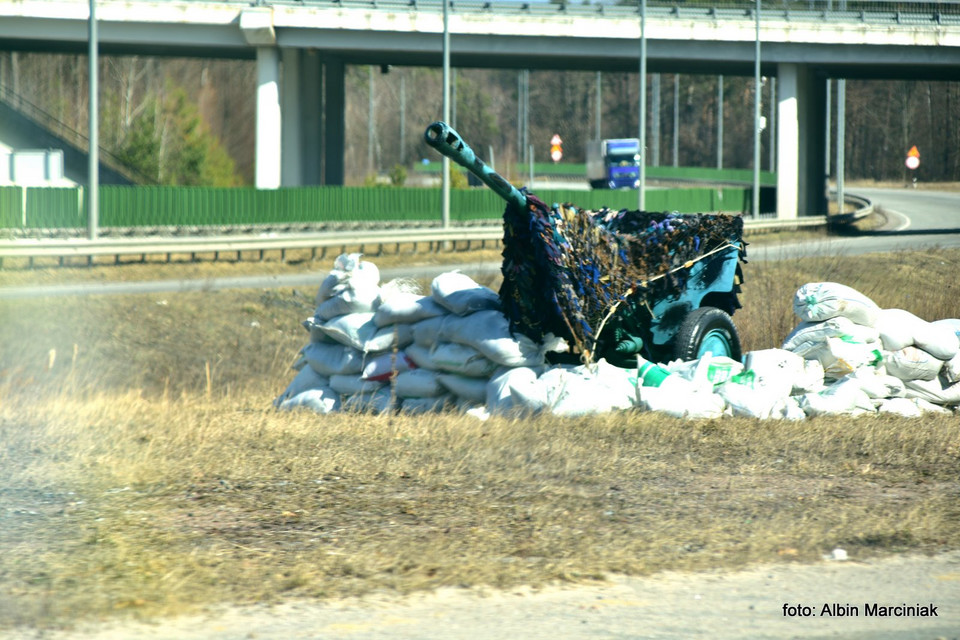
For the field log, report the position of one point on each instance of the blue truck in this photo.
(614, 164)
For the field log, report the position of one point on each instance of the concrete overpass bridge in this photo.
(302, 46)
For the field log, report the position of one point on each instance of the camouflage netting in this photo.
(566, 270)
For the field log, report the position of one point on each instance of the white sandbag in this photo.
(489, 332)
(938, 391)
(329, 359)
(406, 308)
(811, 380)
(951, 369)
(681, 398)
(599, 388)
(305, 380)
(472, 389)
(897, 328)
(777, 370)
(878, 385)
(840, 357)
(352, 329)
(426, 333)
(396, 336)
(709, 369)
(350, 384)
(381, 368)
(420, 356)
(911, 363)
(416, 406)
(824, 300)
(379, 401)
(418, 383)
(314, 328)
(841, 398)
(745, 398)
(807, 336)
(939, 340)
(909, 407)
(515, 390)
(321, 400)
(460, 294)
(462, 359)
(350, 300)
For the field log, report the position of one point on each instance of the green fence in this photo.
(123, 206)
(700, 174)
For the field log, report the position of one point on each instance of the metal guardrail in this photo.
(866, 11)
(453, 238)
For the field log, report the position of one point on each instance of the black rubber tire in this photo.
(699, 324)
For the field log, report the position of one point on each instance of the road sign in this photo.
(556, 151)
(913, 158)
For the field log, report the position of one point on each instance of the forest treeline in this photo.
(192, 121)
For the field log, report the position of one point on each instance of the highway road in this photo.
(916, 219)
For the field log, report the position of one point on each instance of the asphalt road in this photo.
(918, 219)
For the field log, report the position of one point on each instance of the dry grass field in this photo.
(144, 472)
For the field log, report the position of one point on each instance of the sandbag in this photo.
(911, 363)
(378, 401)
(844, 397)
(909, 407)
(415, 406)
(938, 391)
(350, 301)
(951, 369)
(465, 388)
(709, 369)
(897, 328)
(808, 336)
(746, 398)
(515, 390)
(816, 301)
(321, 400)
(305, 380)
(352, 384)
(878, 385)
(313, 327)
(329, 359)
(418, 383)
(840, 357)
(489, 333)
(426, 333)
(420, 356)
(396, 336)
(460, 294)
(352, 330)
(381, 368)
(406, 308)
(777, 370)
(584, 390)
(681, 398)
(462, 359)
(939, 340)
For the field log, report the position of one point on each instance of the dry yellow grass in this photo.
(144, 472)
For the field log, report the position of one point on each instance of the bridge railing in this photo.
(900, 11)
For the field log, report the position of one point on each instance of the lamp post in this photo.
(93, 157)
(641, 187)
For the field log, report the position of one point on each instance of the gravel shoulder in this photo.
(723, 605)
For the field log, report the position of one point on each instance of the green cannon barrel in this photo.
(444, 139)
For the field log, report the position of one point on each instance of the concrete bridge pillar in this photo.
(268, 129)
(801, 114)
(334, 121)
(301, 104)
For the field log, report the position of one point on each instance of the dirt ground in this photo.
(763, 602)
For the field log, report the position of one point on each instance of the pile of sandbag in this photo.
(389, 348)
(378, 348)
